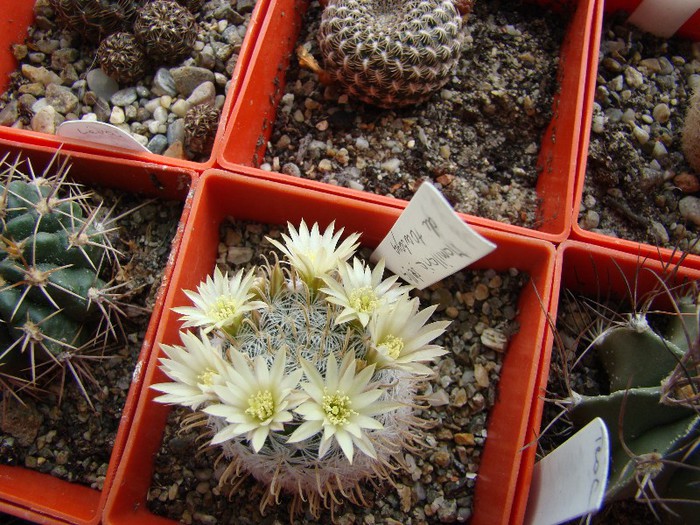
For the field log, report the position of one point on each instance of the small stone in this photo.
(292, 169)
(687, 182)
(239, 255)
(180, 107)
(101, 84)
(176, 150)
(689, 208)
(481, 375)
(187, 78)
(460, 398)
(633, 77)
(117, 116)
(465, 438)
(325, 165)
(659, 150)
(640, 134)
(494, 339)
(176, 131)
(438, 398)
(590, 220)
(163, 83)
(61, 98)
(44, 121)
(391, 165)
(442, 458)
(205, 93)
(40, 75)
(124, 97)
(659, 232)
(481, 292)
(661, 113)
(157, 144)
(10, 113)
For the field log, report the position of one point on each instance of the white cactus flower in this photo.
(361, 291)
(195, 370)
(341, 406)
(255, 400)
(400, 338)
(220, 302)
(313, 254)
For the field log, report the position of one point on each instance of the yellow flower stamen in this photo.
(392, 346)
(261, 405)
(337, 409)
(206, 378)
(363, 300)
(224, 309)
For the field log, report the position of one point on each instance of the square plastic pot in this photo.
(691, 30)
(43, 498)
(220, 195)
(255, 110)
(598, 271)
(13, 30)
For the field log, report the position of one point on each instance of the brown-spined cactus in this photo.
(390, 53)
(166, 30)
(121, 57)
(95, 19)
(201, 122)
(57, 303)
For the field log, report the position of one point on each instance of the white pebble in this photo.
(166, 101)
(180, 107)
(117, 116)
(391, 165)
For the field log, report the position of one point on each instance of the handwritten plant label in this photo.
(429, 241)
(99, 132)
(570, 481)
(663, 17)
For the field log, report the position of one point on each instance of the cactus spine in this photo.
(54, 251)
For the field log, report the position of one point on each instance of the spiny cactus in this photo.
(121, 57)
(166, 30)
(193, 5)
(96, 19)
(652, 409)
(390, 53)
(54, 304)
(201, 123)
(305, 376)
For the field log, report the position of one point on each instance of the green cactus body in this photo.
(50, 259)
(639, 362)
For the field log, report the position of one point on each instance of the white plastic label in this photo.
(663, 17)
(570, 481)
(99, 132)
(429, 241)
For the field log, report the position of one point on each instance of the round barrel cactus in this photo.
(390, 53)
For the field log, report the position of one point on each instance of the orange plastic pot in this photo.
(15, 24)
(599, 272)
(43, 498)
(254, 115)
(691, 29)
(220, 195)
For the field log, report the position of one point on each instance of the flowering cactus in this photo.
(304, 371)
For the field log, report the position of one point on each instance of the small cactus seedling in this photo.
(121, 57)
(390, 53)
(166, 30)
(96, 19)
(55, 305)
(651, 404)
(201, 123)
(305, 375)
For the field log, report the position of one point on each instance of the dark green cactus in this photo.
(54, 303)
(96, 19)
(652, 410)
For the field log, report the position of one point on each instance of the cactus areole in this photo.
(390, 53)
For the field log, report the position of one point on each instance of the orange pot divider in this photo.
(254, 116)
(41, 497)
(691, 29)
(14, 31)
(220, 195)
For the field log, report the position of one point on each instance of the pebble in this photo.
(687, 182)
(61, 98)
(689, 208)
(640, 134)
(40, 75)
(187, 78)
(164, 83)
(205, 93)
(494, 339)
(117, 116)
(44, 120)
(102, 85)
(633, 77)
(391, 165)
(661, 113)
(124, 97)
(590, 220)
(157, 144)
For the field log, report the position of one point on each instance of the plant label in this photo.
(663, 17)
(429, 241)
(570, 481)
(99, 132)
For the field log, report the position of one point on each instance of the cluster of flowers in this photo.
(299, 363)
